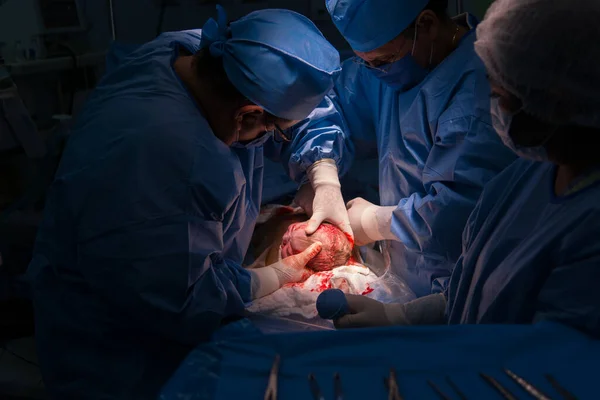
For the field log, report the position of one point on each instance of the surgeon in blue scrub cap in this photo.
(139, 257)
(531, 248)
(418, 95)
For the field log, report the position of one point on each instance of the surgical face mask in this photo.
(259, 141)
(405, 73)
(503, 121)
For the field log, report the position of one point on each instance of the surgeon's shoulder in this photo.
(212, 170)
(217, 177)
(520, 170)
(581, 214)
(190, 39)
(466, 77)
(355, 83)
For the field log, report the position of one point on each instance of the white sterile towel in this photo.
(300, 298)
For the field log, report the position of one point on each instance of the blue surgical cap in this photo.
(278, 59)
(369, 24)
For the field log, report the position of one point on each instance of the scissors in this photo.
(337, 384)
(271, 392)
(528, 387)
(504, 392)
(564, 392)
(392, 385)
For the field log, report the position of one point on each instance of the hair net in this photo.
(369, 24)
(545, 52)
(278, 59)
(336, 250)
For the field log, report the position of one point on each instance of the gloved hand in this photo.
(366, 312)
(304, 198)
(291, 269)
(324, 202)
(369, 222)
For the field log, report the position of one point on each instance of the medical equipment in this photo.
(533, 391)
(332, 304)
(529, 388)
(438, 391)
(17, 129)
(558, 387)
(337, 387)
(456, 388)
(271, 392)
(61, 16)
(111, 11)
(504, 392)
(391, 385)
(314, 388)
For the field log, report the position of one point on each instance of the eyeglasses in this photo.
(281, 135)
(383, 66)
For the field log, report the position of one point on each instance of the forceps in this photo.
(271, 392)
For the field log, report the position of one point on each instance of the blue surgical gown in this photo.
(437, 149)
(528, 254)
(145, 229)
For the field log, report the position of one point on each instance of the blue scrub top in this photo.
(437, 148)
(139, 255)
(529, 255)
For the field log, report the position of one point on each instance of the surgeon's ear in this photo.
(249, 118)
(429, 25)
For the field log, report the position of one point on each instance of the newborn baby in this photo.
(283, 235)
(280, 233)
(336, 249)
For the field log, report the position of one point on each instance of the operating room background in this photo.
(136, 21)
(54, 71)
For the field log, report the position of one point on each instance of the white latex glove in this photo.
(304, 198)
(291, 269)
(366, 312)
(327, 201)
(369, 222)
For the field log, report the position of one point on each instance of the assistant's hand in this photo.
(369, 222)
(328, 203)
(291, 269)
(366, 312)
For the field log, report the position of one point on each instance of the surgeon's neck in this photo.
(567, 175)
(451, 35)
(214, 109)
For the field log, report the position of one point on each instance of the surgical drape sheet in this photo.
(239, 368)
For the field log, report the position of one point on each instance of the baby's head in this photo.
(336, 250)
